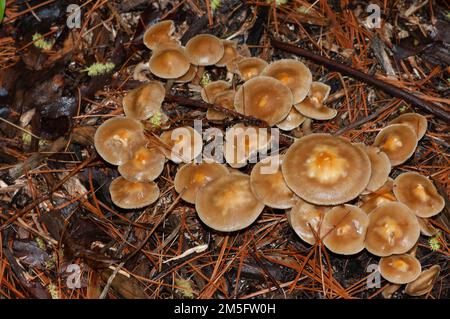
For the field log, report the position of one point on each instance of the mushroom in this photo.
(326, 170)
(248, 68)
(227, 204)
(419, 194)
(416, 121)
(117, 139)
(191, 177)
(292, 121)
(158, 34)
(265, 98)
(380, 196)
(398, 141)
(380, 167)
(132, 195)
(169, 61)
(292, 73)
(145, 165)
(144, 101)
(141, 72)
(230, 53)
(212, 89)
(204, 49)
(306, 219)
(225, 100)
(426, 227)
(313, 105)
(268, 184)
(344, 229)
(400, 269)
(189, 76)
(424, 283)
(393, 229)
(182, 144)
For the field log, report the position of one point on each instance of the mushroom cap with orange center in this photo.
(205, 49)
(169, 61)
(293, 120)
(230, 53)
(182, 144)
(398, 141)
(382, 195)
(265, 98)
(416, 121)
(132, 195)
(144, 101)
(419, 194)
(313, 106)
(393, 229)
(380, 166)
(227, 204)
(158, 34)
(212, 89)
(145, 165)
(424, 283)
(326, 170)
(191, 177)
(400, 269)
(248, 68)
(117, 139)
(225, 100)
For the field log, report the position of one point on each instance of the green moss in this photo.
(434, 242)
(185, 288)
(97, 68)
(40, 42)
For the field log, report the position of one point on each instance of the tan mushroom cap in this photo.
(144, 101)
(326, 170)
(117, 139)
(398, 141)
(145, 165)
(306, 219)
(265, 98)
(191, 177)
(230, 53)
(212, 89)
(380, 167)
(426, 227)
(313, 106)
(205, 49)
(400, 269)
(292, 121)
(182, 144)
(268, 184)
(158, 34)
(132, 195)
(419, 194)
(189, 76)
(169, 61)
(292, 73)
(424, 283)
(416, 121)
(224, 99)
(227, 204)
(248, 68)
(393, 229)
(383, 195)
(344, 229)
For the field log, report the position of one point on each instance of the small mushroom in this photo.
(265, 98)
(230, 53)
(426, 227)
(158, 34)
(313, 105)
(141, 72)
(133, 195)
(227, 204)
(393, 229)
(182, 144)
(380, 167)
(398, 141)
(204, 49)
(189, 76)
(400, 269)
(248, 68)
(292, 73)
(191, 177)
(144, 101)
(389, 290)
(380, 196)
(344, 229)
(117, 139)
(326, 170)
(145, 165)
(424, 283)
(224, 99)
(419, 194)
(268, 184)
(169, 61)
(292, 121)
(416, 121)
(210, 91)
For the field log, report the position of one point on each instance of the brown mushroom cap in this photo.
(227, 204)
(169, 61)
(426, 227)
(380, 167)
(416, 121)
(132, 195)
(313, 105)
(419, 194)
(224, 99)
(144, 101)
(210, 91)
(265, 98)
(117, 139)
(191, 177)
(189, 76)
(393, 229)
(268, 184)
(292, 73)
(248, 68)
(158, 34)
(182, 144)
(292, 121)
(145, 165)
(344, 229)
(398, 141)
(424, 283)
(230, 53)
(306, 220)
(326, 170)
(204, 49)
(383, 195)
(400, 269)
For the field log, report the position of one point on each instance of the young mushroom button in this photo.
(400, 269)
(144, 101)
(158, 34)
(133, 195)
(204, 50)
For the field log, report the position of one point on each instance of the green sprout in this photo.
(277, 2)
(97, 68)
(41, 243)
(206, 79)
(185, 288)
(53, 290)
(2, 9)
(41, 43)
(215, 4)
(156, 119)
(434, 242)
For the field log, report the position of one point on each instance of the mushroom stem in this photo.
(169, 85)
(199, 75)
(306, 126)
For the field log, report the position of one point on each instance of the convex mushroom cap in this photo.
(212, 89)
(398, 141)
(144, 101)
(419, 194)
(400, 269)
(227, 204)
(313, 106)
(383, 195)
(292, 121)
(145, 165)
(248, 68)
(204, 49)
(230, 53)
(424, 283)
(380, 167)
(182, 144)
(225, 100)
(132, 195)
(159, 33)
(189, 76)
(169, 61)
(326, 170)
(416, 121)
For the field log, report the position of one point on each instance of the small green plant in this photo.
(206, 79)
(156, 120)
(434, 242)
(53, 290)
(215, 4)
(185, 288)
(97, 68)
(2, 9)
(277, 2)
(40, 42)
